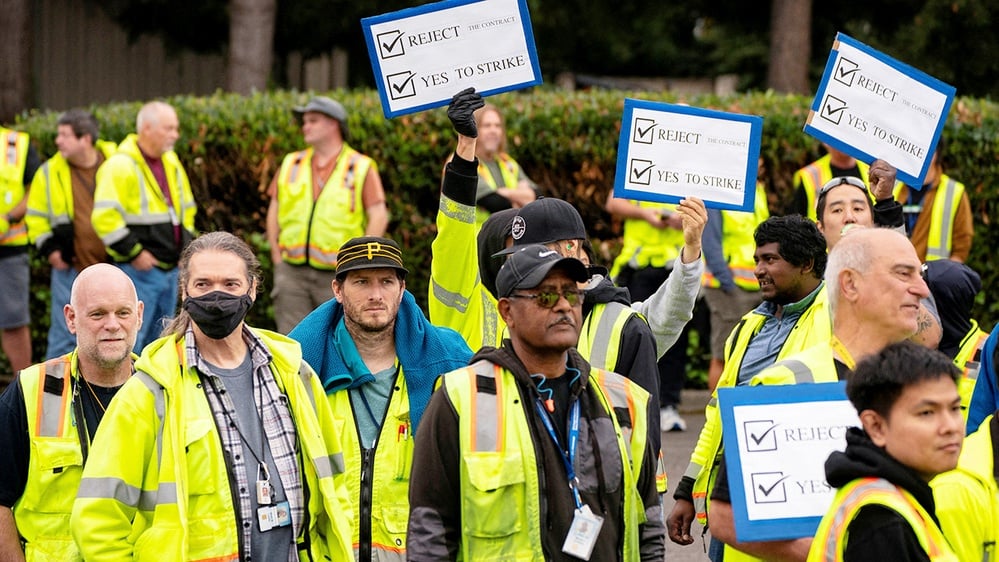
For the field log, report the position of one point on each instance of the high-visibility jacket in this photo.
(946, 200)
(312, 230)
(157, 484)
(813, 327)
(378, 481)
(968, 359)
(831, 538)
(739, 243)
(967, 498)
(130, 212)
(500, 487)
(644, 245)
(812, 177)
(509, 170)
(59, 441)
(50, 201)
(12, 164)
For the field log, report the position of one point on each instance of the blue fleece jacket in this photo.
(425, 351)
(985, 398)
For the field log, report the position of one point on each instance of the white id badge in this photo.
(263, 492)
(266, 518)
(583, 533)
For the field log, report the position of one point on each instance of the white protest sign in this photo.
(422, 56)
(871, 106)
(777, 440)
(667, 152)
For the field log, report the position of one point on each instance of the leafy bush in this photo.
(566, 141)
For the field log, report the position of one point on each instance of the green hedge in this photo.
(566, 141)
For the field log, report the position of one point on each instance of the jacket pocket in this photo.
(58, 460)
(494, 504)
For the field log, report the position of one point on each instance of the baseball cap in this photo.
(543, 221)
(328, 107)
(369, 252)
(528, 266)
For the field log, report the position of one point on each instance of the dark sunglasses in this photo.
(550, 299)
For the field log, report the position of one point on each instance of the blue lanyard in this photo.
(573, 440)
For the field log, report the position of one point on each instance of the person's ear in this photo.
(335, 285)
(847, 284)
(503, 306)
(876, 427)
(70, 314)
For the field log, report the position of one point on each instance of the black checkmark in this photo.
(831, 112)
(637, 174)
(763, 435)
(648, 129)
(400, 87)
(766, 491)
(844, 73)
(388, 47)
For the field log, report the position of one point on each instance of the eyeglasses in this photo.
(550, 299)
(840, 180)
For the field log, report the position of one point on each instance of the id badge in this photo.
(266, 518)
(264, 492)
(583, 533)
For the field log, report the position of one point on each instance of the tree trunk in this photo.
(15, 58)
(251, 44)
(790, 46)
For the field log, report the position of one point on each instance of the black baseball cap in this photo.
(544, 221)
(369, 252)
(528, 266)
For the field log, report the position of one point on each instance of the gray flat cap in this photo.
(326, 106)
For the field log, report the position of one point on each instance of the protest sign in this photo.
(667, 152)
(422, 56)
(871, 106)
(777, 440)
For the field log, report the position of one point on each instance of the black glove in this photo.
(460, 111)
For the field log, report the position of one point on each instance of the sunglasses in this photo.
(550, 299)
(840, 180)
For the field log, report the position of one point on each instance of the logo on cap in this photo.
(518, 227)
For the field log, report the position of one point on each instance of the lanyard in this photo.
(844, 353)
(573, 440)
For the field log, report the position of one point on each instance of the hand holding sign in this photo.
(881, 178)
(461, 112)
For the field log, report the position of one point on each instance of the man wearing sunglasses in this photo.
(808, 181)
(530, 453)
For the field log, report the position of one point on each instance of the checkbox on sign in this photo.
(401, 85)
(833, 109)
(390, 44)
(761, 435)
(845, 71)
(641, 171)
(768, 487)
(643, 130)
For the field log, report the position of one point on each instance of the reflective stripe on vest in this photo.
(53, 398)
(831, 537)
(945, 203)
(509, 170)
(600, 338)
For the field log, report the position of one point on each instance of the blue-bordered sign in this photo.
(777, 440)
(422, 56)
(667, 152)
(871, 106)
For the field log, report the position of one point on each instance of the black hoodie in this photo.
(878, 534)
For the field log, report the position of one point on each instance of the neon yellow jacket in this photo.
(967, 359)
(967, 498)
(130, 211)
(388, 485)
(812, 327)
(50, 201)
(812, 177)
(157, 487)
(509, 169)
(739, 244)
(13, 160)
(311, 231)
(943, 215)
(831, 537)
(644, 245)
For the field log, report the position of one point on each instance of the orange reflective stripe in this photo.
(222, 558)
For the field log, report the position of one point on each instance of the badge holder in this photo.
(583, 533)
(269, 516)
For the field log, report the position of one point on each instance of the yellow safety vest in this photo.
(313, 230)
(12, 164)
(813, 176)
(56, 462)
(500, 509)
(159, 488)
(644, 245)
(968, 359)
(388, 485)
(831, 538)
(813, 327)
(739, 245)
(50, 201)
(946, 200)
(509, 170)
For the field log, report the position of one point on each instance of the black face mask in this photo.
(218, 313)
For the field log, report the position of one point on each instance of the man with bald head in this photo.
(42, 412)
(144, 212)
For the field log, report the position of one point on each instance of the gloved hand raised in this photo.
(460, 111)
